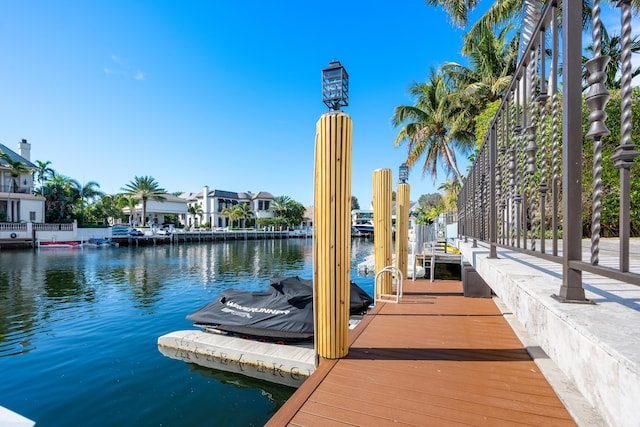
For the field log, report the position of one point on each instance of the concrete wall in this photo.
(30, 205)
(597, 346)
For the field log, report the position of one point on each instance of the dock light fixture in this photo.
(403, 174)
(335, 86)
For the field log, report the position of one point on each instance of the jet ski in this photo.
(282, 313)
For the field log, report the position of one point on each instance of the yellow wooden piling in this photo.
(402, 227)
(382, 226)
(332, 225)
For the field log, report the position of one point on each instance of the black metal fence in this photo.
(524, 191)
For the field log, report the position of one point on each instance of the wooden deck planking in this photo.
(436, 358)
(414, 411)
(412, 389)
(450, 376)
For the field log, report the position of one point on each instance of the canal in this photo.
(79, 327)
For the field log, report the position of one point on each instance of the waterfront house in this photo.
(308, 217)
(17, 200)
(157, 211)
(207, 206)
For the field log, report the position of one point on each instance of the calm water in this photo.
(79, 330)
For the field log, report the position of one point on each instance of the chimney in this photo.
(205, 201)
(24, 149)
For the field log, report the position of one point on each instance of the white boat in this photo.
(362, 220)
(100, 243)
(367, 266)
(366, 227)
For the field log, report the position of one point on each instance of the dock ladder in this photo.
(396, 279)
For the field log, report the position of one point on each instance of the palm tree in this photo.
(492, 62)
(42, 173)
(16, 168)
(280, 205)
(433, 127)
(196, 211)
(88, 191)
(228, 212)
(104, 208)
(61, 193)
(521, 13)
(451, 189)
(238, 212)
(145, 188)
(295, 214)
(501, 12)
(244, 212)
(130, 202)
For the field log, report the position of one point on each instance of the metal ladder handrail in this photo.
(396, 275)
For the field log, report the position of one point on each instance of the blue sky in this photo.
(224, 94)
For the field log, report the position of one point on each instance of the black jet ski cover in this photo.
(284, 311)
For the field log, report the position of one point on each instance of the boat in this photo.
(367, 266)
(283, 313)
(364, 227)
(362, 221)
(70, 244)
(100, 243)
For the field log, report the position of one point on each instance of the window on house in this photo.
(32, 216)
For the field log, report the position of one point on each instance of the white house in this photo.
(158, 210)
(17, 201)
(209, 205)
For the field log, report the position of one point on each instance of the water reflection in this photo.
(276, 393)
(53, 285)
(79, 330)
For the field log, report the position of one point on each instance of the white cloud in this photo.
(116, 59)
(119, 66)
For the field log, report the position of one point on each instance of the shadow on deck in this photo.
(435, 358)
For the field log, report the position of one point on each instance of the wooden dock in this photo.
(437, 358)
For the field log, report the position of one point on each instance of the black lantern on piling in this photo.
(403, 174)
(335, 86)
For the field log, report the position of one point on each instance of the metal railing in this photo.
(525, 186)
(53, 227)
(20, 189)
(396, 279)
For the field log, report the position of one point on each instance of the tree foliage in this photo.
(431, 200)
(483, 120)
(290, 212)
(434, 127)
(61, 195)
(145, 188)
(354, 203)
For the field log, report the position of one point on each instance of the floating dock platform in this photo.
(290, 365)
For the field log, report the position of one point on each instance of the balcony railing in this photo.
(6, 188)
(524, 191)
